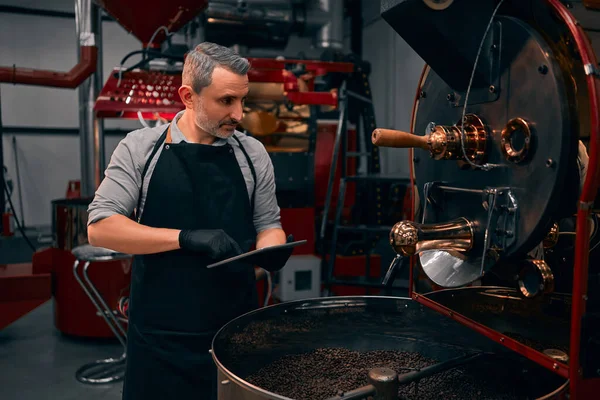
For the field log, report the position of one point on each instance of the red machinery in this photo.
(542, 304)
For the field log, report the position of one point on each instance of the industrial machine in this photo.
(502, 246)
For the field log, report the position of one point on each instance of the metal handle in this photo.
(398, 139)
(392, 272)
(408, 238)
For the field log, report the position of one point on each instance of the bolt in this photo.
(492, 89)
(422, 95)
(494, 46)
(555, 366)
(450, 97)
(549, 163)
(502, 340)
(543, 69)
(416, 159)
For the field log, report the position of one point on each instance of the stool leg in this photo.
(97, 371)
(115, 321)
(91, 297)
(114, 367)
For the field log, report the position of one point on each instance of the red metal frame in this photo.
(579, 388)
(153, 95)
(72, 79)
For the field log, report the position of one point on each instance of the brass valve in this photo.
(408, 238)
(443, 142)
(535, 278)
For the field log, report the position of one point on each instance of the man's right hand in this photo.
(215, 243)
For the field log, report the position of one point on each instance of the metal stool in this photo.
(110, 369)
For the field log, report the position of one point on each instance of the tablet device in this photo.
(250, 256)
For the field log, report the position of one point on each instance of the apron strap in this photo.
(157, 146)
(252, 170)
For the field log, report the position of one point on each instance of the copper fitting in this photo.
(551, 237)
(408, 238)
(443, 142)
(535, 278)
(516, 140)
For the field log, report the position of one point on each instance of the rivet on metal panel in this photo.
(591, 69)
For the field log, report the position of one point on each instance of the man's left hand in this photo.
(276, 259)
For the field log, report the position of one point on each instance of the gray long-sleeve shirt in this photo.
(119, 191)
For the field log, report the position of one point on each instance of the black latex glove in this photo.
(215, 243)
(276, 259)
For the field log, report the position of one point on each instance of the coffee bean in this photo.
(327, 372)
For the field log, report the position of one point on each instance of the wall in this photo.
(396, 69)
(48, 162)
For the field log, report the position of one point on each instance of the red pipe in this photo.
(588, 195)
(72, 79)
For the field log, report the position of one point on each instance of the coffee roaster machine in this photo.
(503, 244)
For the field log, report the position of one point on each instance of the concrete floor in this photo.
(38, 362)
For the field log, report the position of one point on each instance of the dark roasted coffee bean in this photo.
(329, 372)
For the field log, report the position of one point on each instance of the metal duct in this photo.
(91, 130)
(331, 35)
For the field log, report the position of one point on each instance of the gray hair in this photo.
(201, 62)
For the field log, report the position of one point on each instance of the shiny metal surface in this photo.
(331, 35)
(444, 141)
(535, 184)
(450, 269)
(535, 278)
(254, 340)
(385, 381)
(88, 24)
(552, 237)
(516, 140)
(408, 238)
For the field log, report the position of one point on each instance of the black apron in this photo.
(176, 304)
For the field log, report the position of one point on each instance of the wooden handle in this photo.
(399, 139)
